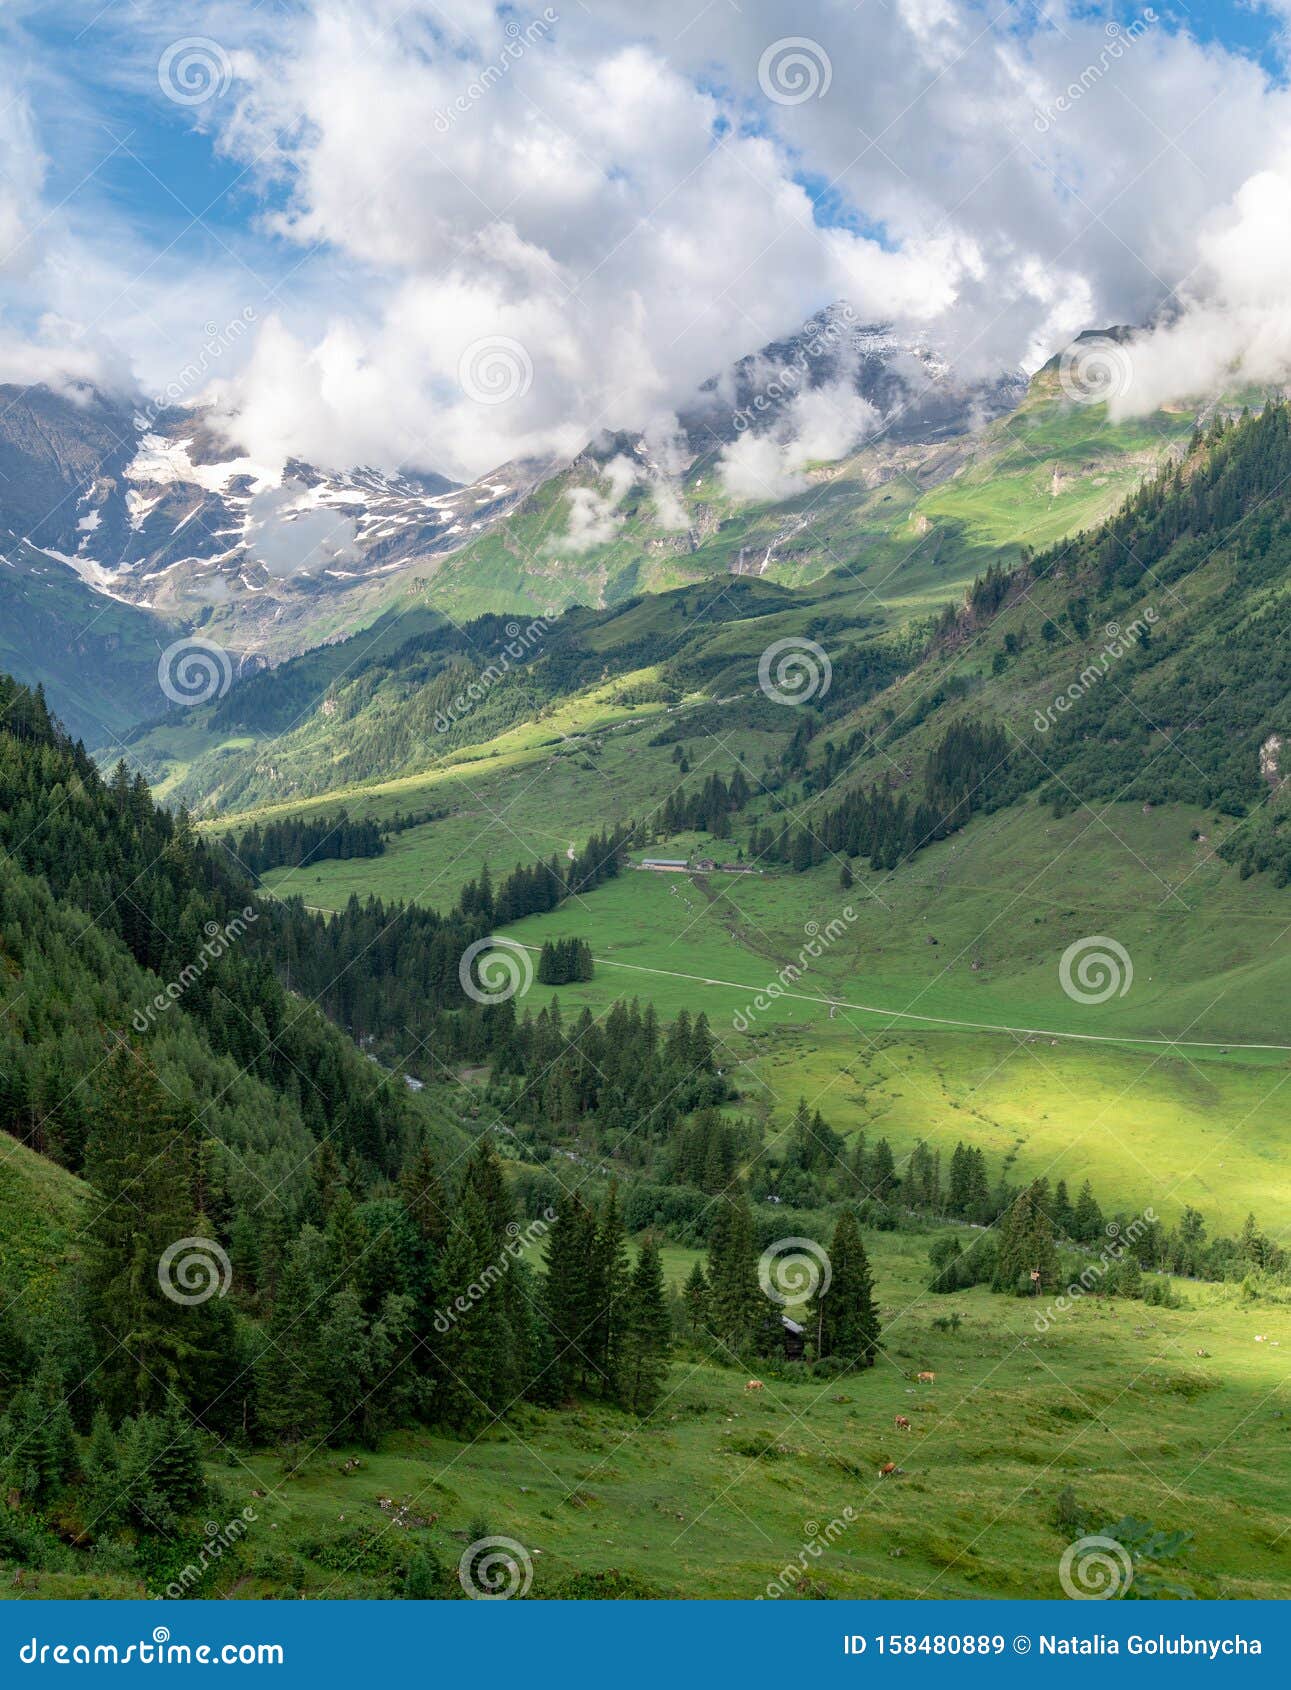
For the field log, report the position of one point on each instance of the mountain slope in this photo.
(161, 513)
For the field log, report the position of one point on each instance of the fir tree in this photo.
(290, 1397)
(647, 1336)
(842, 1317)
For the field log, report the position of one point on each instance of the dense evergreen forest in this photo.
(298, 841)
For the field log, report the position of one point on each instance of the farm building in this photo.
(795, 1343)
(666, 865)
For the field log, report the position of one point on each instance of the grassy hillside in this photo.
(946, 983)
(890, 534)
(911, 523)
(1174, 1416)
(40, 1205)
(96, 658)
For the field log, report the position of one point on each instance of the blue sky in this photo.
(95, 86)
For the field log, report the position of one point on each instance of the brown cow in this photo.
(926, 1378)
(902, 1424)
(754, 1385)
(890, 1470)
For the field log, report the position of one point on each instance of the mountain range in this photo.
(123, 531)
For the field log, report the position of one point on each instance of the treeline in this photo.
(966, 772)
(300, 841)
(735, 1303)
(385, 971)
(1213, 683)
(708, 809)
(564, 961)
(105, 901)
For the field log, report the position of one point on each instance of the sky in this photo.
(444, 235)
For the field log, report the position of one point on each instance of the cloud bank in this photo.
(635, 197)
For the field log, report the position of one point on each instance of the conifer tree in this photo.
(138, 1164)
(290, 1397)
(842, 1317)
(737, 1306)
(472, 1340)
(571, 1290)
(647, 1337)
(695, 1300)
(610, 1276)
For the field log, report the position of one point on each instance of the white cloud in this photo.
(816, 426)
(290, 535)
(612, 191)
(1234, 327)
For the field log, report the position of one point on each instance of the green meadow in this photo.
(1178, 1417)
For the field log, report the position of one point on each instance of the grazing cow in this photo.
(902, 1424)
(890, 1470)
(754, 1385)
(926, 1378)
